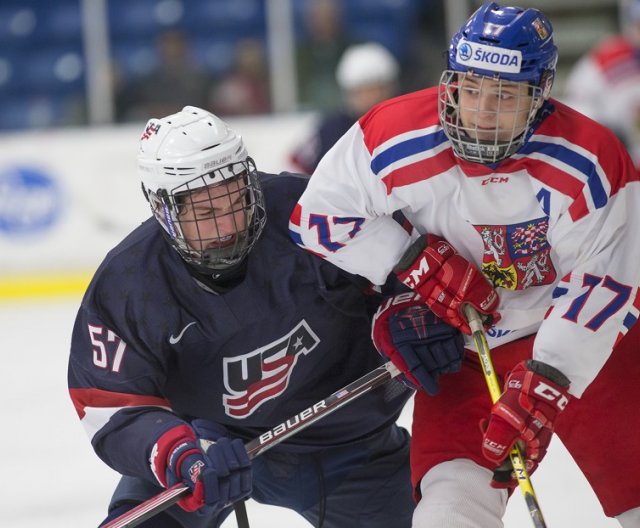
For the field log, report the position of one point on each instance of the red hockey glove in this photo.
(417, 342)
(534, 394)
(216, 468)
(446, 281)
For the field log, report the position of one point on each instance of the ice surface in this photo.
(51, 477)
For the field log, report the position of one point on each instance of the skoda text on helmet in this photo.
(202, 187)
(501, 68)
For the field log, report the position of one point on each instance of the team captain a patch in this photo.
(492, 58)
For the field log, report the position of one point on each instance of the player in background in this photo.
(366, 74)
(208, 322)
(605, 83)
(528, 211)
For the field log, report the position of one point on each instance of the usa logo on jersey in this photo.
(263, 374)
(517, 256)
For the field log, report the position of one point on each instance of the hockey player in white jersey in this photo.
(528, 211)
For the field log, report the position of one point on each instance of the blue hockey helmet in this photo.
(511, 43)
(504, 46)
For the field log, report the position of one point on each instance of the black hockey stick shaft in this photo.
(265, 441)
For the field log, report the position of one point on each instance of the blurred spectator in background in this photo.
(427, 47)
(177, 82)
(605, 83)
(366, 74)
(317, 55)
(245, 90)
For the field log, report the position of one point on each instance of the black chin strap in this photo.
(220, 283)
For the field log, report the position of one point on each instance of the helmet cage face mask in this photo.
(505, 45)
(214, 219)
(486, 120)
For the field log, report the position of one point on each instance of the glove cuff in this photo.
(188, 465)
(411, 254)
(439, 249)
(165, 449)
(547, 371)
(183, 456)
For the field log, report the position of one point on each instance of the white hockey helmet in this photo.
(366, 64)
(183, 153)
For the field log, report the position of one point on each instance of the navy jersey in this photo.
(152, 347)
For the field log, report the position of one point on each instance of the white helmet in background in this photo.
(366, 64)
(187, 152)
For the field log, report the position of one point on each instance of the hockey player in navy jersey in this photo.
(367, 74)
(526, 210)
(208, 322)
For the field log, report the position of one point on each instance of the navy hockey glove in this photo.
(216, 468)
(534, 394)
(446, 281)
(420, 344)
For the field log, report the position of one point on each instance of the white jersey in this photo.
(554, 227)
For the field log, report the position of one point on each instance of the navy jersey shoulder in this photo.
(292, 332)
(329, 130)
(282, 192)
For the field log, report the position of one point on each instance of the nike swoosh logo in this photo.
(173, 340)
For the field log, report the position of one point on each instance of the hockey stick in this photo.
(265, 441)
(519, 467)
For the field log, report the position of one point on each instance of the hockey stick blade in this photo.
(265, 441)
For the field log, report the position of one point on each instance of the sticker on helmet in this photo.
(493, 58)
(540, 28)
(152, 128)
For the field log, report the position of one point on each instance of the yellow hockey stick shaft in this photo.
(517, 461)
